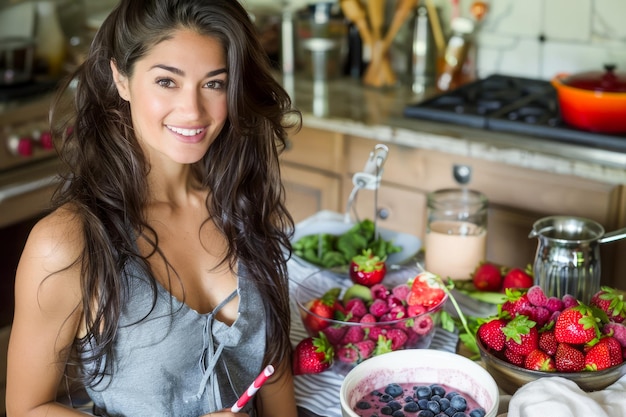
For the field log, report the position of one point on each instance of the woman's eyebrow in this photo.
(180, 72)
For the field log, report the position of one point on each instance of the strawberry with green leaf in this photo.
(491, 334)
(577, 325)
(598, 357)
(312, 355)
(538, 360)
(367, 269)
(521, 334)
(323, 308)
(611, 301)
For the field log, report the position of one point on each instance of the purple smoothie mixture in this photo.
(418, 400)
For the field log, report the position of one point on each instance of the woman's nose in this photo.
(192, 102)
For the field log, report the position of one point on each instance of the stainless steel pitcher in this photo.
(567, 260)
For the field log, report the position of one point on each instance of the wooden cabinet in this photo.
(318, 172)
(311, 168)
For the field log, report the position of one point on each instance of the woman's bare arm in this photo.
(47, 317)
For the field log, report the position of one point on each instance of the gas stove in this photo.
(510, 104)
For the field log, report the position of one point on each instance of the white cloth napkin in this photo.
(560, 397)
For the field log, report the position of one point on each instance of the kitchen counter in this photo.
(346, 106)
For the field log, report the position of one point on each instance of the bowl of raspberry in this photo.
(353, 322)
(419, 382)
(537, 336)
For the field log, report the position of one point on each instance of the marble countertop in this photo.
(346, 106)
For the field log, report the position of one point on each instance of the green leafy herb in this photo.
(329, 251)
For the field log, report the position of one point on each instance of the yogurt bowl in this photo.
(418, 368)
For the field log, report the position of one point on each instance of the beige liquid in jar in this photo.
(453, 249)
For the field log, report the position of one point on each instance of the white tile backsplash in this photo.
(540, 38)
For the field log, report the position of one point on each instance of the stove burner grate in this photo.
(510, 104)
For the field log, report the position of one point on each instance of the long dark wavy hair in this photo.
(105, 169)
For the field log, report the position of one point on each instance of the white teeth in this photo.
(185, 132)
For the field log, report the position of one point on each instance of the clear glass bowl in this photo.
(419, 330)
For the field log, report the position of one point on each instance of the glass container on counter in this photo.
(456, 232)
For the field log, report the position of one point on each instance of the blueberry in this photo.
(451, 394)
(478, 412)
(423, 403)
(438, 390)
(459, 414)
(411, 407)
(386, 410)
(377, 393)
(385, 398)
(435, 397)
(395, 405)
(398, 413)
(434, 406)
(425, 413)
(450, 411)
(363, 405)
(444, 403)
(458, 402)
(408, 399)
(394, 390)
(423, 391)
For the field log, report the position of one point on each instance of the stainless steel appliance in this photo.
(510, 104)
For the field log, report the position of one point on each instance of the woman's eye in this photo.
(165, 82)
(216, 84)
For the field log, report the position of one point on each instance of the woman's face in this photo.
(177, 96)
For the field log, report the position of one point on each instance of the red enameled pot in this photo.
(594, 100)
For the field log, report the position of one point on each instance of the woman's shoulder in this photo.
(56, 239)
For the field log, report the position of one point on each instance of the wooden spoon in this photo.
(354, 11)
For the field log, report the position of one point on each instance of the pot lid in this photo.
(608, 81)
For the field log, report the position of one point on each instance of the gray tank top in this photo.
(174, 361)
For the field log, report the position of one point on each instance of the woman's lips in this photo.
(188, 134)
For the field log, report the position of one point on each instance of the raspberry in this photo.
(356, 307)
(368, 318)
(398, 338)
(619, 332)
(335, 334)
(401, 291)
(353, 334)
(554, 304)
(569, 301)
(423, 324)
(379, 307)
(536, 296)
(379, 291)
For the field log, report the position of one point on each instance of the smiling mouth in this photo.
(185, 132)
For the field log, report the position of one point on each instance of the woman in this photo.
(159, 279)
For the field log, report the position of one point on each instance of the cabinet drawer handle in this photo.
(383, 213)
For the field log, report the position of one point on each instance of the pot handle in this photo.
(559, 77)
(614, 235)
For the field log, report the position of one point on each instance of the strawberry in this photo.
(487, 277)
(513, 357)
(615, 349)
(367, 269)
(323, 308)
(576, 325)
(568, 358)
(521, 335)
(548, 343)
(312, 355)
(539, 360)
(518, 278)
(490, 333)
(618, 331)
(598, 357)
(516, 302)
(611, 301)
(425, 291)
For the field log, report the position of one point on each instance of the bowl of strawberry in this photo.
(350, 322)
(537, 336)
